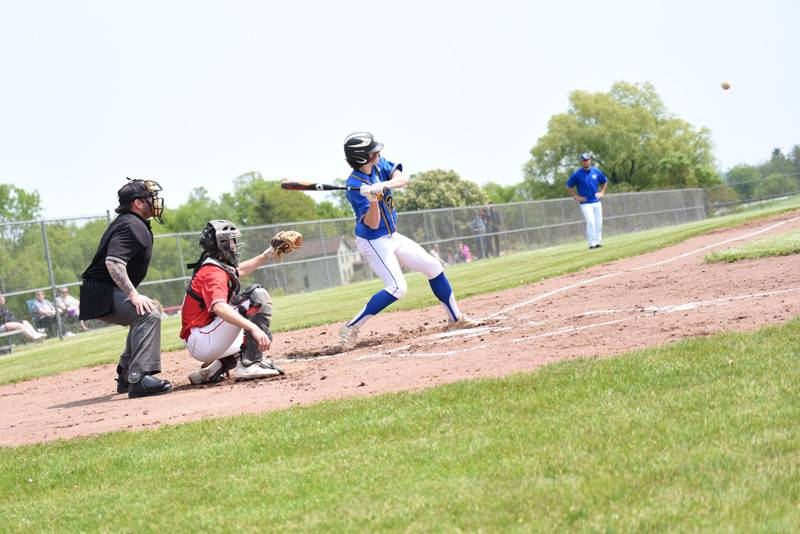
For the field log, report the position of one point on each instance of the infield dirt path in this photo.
(629, 304)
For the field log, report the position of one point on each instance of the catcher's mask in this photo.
(220, 239)
(147, 189)
(359, 148)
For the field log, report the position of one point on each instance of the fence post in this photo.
(324, 255)
(52, 277)
(525, 225)
(182, 265)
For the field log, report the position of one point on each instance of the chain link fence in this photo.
(51, 254)
(724, 198)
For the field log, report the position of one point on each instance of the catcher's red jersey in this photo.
(211, 283)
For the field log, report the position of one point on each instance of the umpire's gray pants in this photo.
(142, 352)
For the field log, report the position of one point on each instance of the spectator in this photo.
(69, 308)
(466, 253)
(492, 220)
(9, 323)
(44, 313)
(479, 227)
(435, 253)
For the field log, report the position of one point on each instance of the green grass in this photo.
(777, 245)
(699, 435)
(341, 303)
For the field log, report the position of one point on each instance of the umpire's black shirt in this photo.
(128, 239)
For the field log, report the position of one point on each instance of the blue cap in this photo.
(585, 156)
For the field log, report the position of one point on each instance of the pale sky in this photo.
(195, 93)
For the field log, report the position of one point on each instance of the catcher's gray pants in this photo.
(142, 352)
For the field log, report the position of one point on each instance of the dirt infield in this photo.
(639, 302)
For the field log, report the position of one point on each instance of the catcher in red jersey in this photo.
(216, 310)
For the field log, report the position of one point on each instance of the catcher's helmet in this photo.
(220, 239)
(359, 147)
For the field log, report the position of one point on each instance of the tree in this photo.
(328, 210)
(193, 215)
(17, 204)
(257, 201)
(502, 194)
(633, 138)
(776, 185)
(438, 188)
(743, 179)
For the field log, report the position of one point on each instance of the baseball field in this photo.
(650, 384)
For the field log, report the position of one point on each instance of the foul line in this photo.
(662, 262)
(644, 313)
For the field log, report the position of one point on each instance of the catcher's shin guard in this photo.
(258, 311)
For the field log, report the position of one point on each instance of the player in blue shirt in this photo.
(378, 240)
(587, 185)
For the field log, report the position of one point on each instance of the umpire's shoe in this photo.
(122, 380)
(142, 385)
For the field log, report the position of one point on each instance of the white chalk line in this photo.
(687, 305)
(655, 264)
(645, 313)
(500, 313)
(725, 242)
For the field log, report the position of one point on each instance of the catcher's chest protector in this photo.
(233, 281)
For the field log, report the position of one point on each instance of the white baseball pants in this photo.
(593, 213)
(387, 254)
(214, 341)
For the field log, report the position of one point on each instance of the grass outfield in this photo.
(777, 245)
(341, 303)
(698, 435)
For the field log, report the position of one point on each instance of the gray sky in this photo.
(195, 93)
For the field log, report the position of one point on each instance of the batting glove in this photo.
(371, 191)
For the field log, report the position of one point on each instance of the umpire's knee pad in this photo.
(153, 316)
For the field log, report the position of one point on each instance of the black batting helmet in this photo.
(359, 148)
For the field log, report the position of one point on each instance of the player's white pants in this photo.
(593, 213)
(215, 340)
(387, 254)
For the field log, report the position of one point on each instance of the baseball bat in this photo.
(313, 186)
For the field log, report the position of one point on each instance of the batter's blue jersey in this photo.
(588, 183)
(381, 172)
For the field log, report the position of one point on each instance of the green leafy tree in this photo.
(17, 204)
(776, 185)
(438, 188)
(502, 194)
(778, 163)
(257, 201)
(743, 179)
(193, 215)
(328, 210)
(634, 139)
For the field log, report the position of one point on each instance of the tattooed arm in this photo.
(119, 274)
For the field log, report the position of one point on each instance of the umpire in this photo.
(109, 287)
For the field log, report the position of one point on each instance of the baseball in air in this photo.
(726, 85)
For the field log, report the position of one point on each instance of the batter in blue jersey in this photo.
(379, 242)
(587, 185)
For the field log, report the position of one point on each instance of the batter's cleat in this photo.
(349, 337)
(147, 386)
(464, 322)
(262, 369)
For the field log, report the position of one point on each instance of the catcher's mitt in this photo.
(286, 241)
